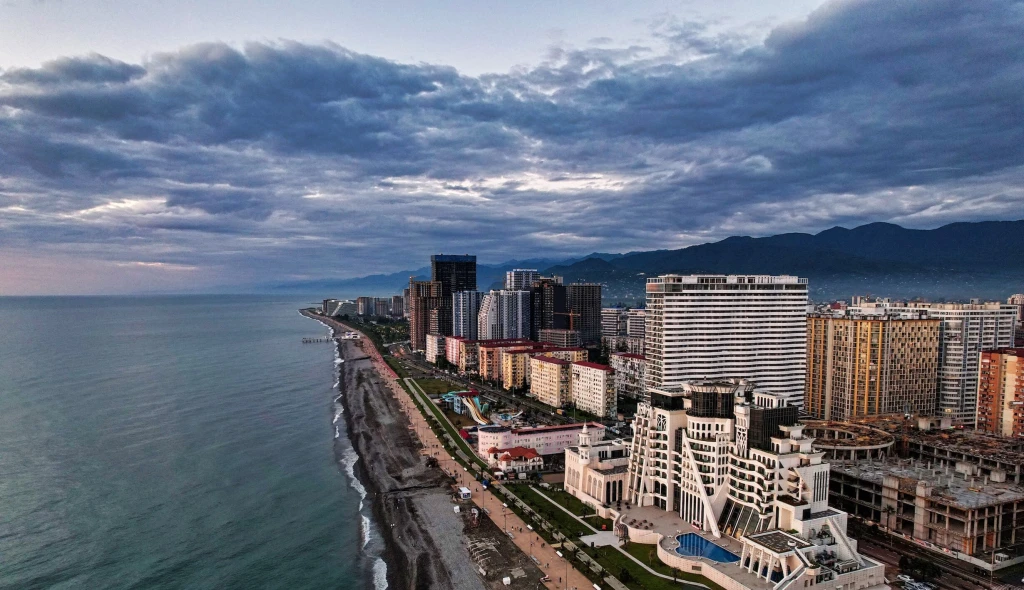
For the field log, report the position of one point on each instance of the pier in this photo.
(321, 340)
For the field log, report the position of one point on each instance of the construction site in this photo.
(946, 489)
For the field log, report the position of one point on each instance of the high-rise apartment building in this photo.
(635, 323)
(584, 302)
(520, 279)
(614, 321)
(397, 306)
(629, 375)
(424, 318)
(454, 273)
(466, 313)
(365, 306)
(1001, 392)
(504, 314)
(722, 327)
(967, 330)
(1017, 300)
(550, 305)
(867, 365)
(592, 388)
(549, 380)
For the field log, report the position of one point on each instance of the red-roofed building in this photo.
(515, 459)
(592, 388)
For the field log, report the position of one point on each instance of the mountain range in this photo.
(953, 262)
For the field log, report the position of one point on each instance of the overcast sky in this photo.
(187, 145)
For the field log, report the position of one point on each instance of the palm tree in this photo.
(889, 512)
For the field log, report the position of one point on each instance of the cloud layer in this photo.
(216, 165)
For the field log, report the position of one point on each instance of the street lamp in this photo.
(559, 553)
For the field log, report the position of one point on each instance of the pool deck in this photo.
(669, 525)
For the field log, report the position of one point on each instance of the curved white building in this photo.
(728, 327)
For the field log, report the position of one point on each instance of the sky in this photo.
(186, 146)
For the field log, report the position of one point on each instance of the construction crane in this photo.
(571, 314)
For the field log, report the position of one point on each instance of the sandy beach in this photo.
(428, 544)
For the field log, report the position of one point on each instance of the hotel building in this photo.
(864, 365)
(735, 463)
(724, 327)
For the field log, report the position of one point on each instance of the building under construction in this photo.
(976, 518)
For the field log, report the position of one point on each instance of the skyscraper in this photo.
(728, 327)
(520, 279)
(868, 365)
(465, 311)
(504, 314)
(967, 329)
(454, 273)
(614, 321)
(584, 302)
(550, 306)
(424, 303)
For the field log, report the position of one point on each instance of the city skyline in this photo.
(189, 166)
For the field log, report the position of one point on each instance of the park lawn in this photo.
(642, 552)
(396, 366)
(434, 386)
(577, 507)
(565, 523)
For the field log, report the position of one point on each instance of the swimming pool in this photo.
(694, 545)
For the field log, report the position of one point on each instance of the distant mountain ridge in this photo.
(955, 261)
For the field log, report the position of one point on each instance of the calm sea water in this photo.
(184, 442)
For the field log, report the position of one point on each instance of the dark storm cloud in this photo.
(910, 112)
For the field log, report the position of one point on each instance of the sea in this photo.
(176, 442)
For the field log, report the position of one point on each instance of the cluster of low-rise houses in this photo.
(762, 421)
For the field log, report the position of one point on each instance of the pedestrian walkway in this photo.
(561, 574)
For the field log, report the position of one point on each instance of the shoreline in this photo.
(407, 499)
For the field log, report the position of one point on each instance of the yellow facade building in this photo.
(867, 365)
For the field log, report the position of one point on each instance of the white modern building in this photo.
(614, 321)
(520, 279)
(465, 313)
(734, 463)
(967, 329)
(595, 471)
(592, 387)
(635, 323)
(504, 315)
(728, 327)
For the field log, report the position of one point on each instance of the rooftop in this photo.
(591, 365)
(550, 359)
(950, 488)
(778, 541)
(969, 442)
(558, 427)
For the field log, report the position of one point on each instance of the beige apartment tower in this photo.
(871, 365)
